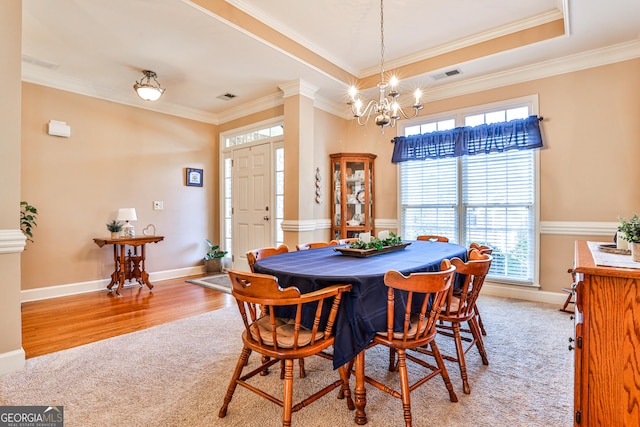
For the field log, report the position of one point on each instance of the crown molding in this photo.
(568, 64)
(43, 77)
(468, 41)
(594, 58)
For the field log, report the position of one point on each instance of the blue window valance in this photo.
(520, 134)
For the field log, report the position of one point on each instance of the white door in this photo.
(251, 202)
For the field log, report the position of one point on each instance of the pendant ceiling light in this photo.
(146, 89)
(386, 109)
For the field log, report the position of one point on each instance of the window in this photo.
(485, 198)
(279, 210)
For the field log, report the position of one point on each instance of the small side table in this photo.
(128, 265)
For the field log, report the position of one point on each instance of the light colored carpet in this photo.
(176, 375)
(219, 282)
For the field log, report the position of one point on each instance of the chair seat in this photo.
(411, 333)
(285, 330)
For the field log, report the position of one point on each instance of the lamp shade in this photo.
(127, 214)
(148, 92)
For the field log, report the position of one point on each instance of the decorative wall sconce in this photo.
(318, 187)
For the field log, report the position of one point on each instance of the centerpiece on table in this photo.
(367, 246)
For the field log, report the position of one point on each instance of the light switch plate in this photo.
(158, 205)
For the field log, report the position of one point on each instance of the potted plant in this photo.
(213, 258)
(115, 227)
(28, 216)
(631, 233)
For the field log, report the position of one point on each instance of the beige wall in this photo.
(117, 156)
(122, 156)
(11, 354)
(588, 168)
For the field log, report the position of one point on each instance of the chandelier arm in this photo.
(366, 111)
(405, 115)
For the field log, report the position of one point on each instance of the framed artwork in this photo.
(194, 177)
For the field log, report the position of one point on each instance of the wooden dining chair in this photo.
(433, 238)
(281, 339)
(459, 309)
(418, 329)
(483, 249)
(314, 245)
(257, 254)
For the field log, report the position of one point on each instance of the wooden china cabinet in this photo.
(352, 184)
(606, 343)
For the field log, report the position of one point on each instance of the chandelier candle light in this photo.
(387, 109)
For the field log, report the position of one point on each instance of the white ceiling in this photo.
(99, 47)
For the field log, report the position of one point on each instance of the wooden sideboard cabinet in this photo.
(607, 343)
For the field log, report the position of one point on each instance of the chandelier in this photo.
(386, 109)
(148, 91)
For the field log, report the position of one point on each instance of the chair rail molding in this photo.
(580, 228)
(12, 241)
(305, 224)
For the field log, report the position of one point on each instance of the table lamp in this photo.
(126, 215)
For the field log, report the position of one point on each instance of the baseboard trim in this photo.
(517, 292)
(99, 285)
(12, 361)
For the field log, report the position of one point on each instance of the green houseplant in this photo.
(115, 227)
(28, 216)
(213, 258)
(631, 233)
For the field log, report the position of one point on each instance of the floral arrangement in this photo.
(378, 244)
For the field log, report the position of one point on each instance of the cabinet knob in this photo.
(571, 339)
(570, 347)
(572, 317)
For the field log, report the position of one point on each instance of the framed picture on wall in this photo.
(194, 177)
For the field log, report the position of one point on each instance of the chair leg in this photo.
(242, 361)
(404, 386)
(460, 353)
(287, 400)
(302, 372)
(443, 371)
(477, 336)
(300, 362)
(392, 359)
(480, 324)
(265, 359)
(348, 368)
(345, 391)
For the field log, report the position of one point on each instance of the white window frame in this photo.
(275, 143)
(531, 102)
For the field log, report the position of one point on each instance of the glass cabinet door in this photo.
(352, 202)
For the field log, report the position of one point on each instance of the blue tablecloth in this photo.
(363, 311)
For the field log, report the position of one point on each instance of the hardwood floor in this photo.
(59, 323)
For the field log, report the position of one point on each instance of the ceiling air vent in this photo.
(446, 74)
(226, 96)
(40, 62)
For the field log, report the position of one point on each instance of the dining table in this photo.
(363, 311)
